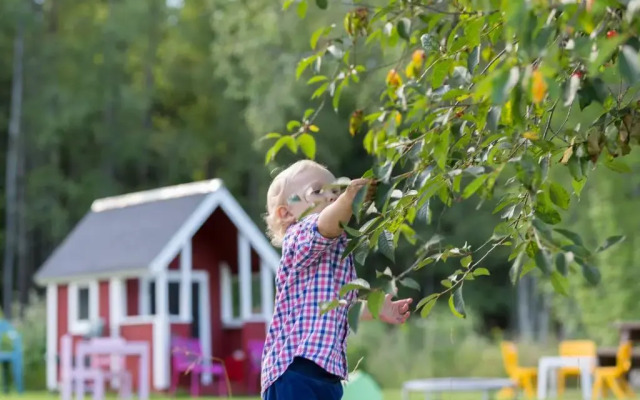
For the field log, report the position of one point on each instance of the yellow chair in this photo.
(614, 377)
(573, 348)
(524, 377)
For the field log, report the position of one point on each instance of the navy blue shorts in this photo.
(305, 380)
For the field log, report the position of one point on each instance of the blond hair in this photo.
(277, 196)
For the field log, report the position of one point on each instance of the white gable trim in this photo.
(52, 337)
(238, 217)
(245, 225)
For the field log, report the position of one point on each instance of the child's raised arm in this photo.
(339, 212)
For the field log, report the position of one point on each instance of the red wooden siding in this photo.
(63, 317)
(143, 332)
(103, 305)
(133, 289)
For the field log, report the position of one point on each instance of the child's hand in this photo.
(357, 184)
(395, 312)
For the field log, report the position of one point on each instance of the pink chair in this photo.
(186, 357)
(82, 378)
(254, 350)
(113, 367)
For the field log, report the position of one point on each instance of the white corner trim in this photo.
(186, 231)
(226, 300)
(161, 352)
(82, 327)
(164, 193)
(244, 224)
(205, 320)
(267, 281)
(117, 305)
(52, 336)
(185, 280)
(244, 273)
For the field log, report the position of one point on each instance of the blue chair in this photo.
(13, 356)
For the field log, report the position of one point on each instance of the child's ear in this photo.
(284, 214)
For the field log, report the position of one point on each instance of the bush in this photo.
(440, 346)
(33, 330)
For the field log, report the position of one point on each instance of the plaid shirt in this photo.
(311, 272)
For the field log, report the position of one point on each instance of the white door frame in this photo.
(202, 278)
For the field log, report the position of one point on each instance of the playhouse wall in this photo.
(132, 287)
(138, 332)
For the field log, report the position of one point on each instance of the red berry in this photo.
(611, 34)
(578, 74)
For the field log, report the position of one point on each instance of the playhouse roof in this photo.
(134, 234)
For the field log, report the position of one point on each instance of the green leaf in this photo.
(590, 273)
(354, 316)
(545, 211)
(362, 251)
(516, 268)
(327, 306)
(456, 304)
(606, 47)
(473, 59)
(466, 261)
(351, 231)
(374, 302)
(302, 8)
(358, 201)
(322, 4)
(404, 28)
(291, 125)
(561, 264)
(440, 72)
(493, 117)
(308, 145)
(611, 241)
(577, 186)
(351, 246)
(427, 304)
(543, 261)
(560, 283)
(629, 64)
(441, 149)
(574, 237)
(385, 244)
(356, 284)
(481, 272)
(472, 30)
(617, 166)
(559, 195)
(474, 186)
(410, 283)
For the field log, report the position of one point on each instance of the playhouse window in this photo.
(256, 295)
(174, 298)
(83, 307)
(83, 303)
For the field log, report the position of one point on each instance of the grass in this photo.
(390, 394)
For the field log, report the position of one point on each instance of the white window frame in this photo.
(83, 326)
(144, 300)
(246, 301)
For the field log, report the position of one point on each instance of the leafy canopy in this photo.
(511, 102)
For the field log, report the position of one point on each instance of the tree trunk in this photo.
(12, 168)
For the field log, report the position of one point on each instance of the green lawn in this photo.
(388, 395)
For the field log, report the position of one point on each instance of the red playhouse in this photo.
(180, 261)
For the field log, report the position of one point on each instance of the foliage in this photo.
(33, 332)
(478, 98)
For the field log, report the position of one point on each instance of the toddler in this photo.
(305, 352)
